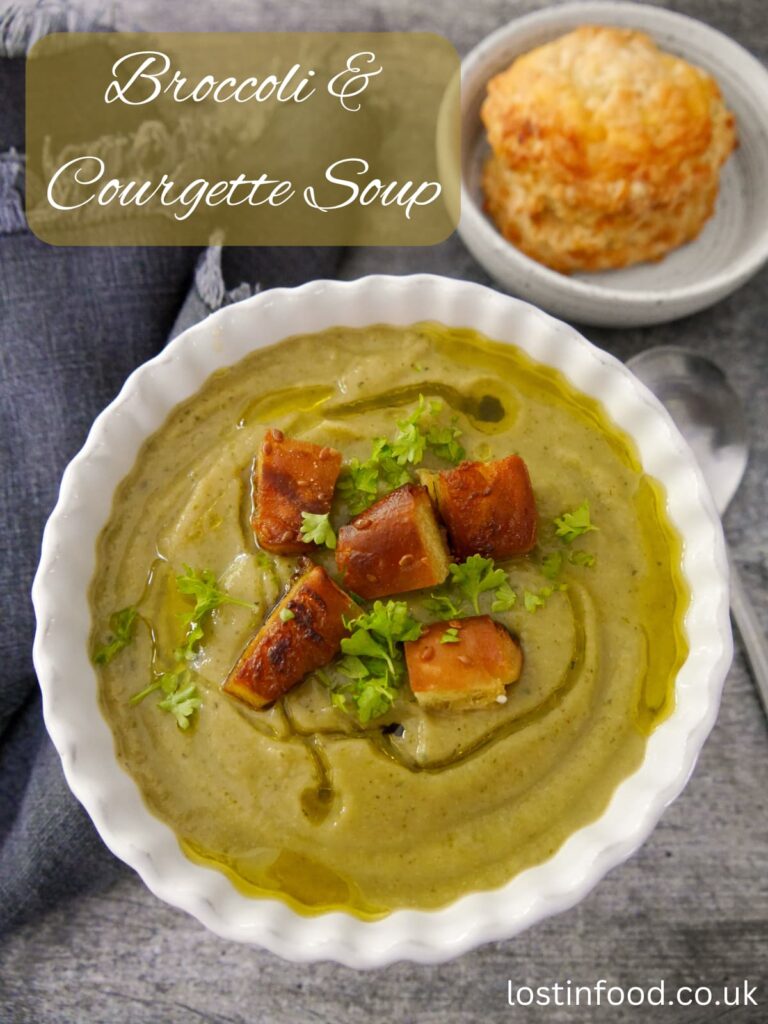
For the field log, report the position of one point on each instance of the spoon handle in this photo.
(751, 633)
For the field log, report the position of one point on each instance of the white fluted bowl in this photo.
(68, 680)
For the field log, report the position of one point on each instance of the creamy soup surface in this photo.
(416, 807)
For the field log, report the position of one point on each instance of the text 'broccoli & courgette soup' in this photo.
(383, 615)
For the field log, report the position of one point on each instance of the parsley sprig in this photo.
(359, 484)
(534, 601)
(181, 696)
(444, 442)
(445, 607)
(200, 584)
(122, 625)
(468, 581)
(475, 576)
(371, 670)
(571, 525)
(390, 459)
(316, 529)
(568, 527)
(551, 564)
(504, 598)
(181, 699)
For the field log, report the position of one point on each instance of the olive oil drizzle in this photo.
(485, 410)
(316, 802)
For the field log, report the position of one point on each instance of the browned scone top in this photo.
(606, 150)
(283, 652)
(394, 546)
(488, 508)
(472, 669)
(290, 477)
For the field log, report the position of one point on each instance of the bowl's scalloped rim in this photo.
(68, 682)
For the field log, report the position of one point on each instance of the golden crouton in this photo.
(394, 546)
(464, 663)
(303, 633)
(488, 508)
(291, 477)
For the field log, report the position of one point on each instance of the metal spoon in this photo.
(710, 417)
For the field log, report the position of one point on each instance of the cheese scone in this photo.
(606, 150)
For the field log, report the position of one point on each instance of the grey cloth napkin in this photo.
(74, 324)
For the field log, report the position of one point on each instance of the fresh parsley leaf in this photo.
(316, 529)
(367, 697)
(390, 463)
(201, 585)
(372, 666)
(444, 606)
(286, 615)
(551, 565)
(472, 578)
(363, 644)
(532, 601)
(450, 636)
(583, 558)
(181, 695)
(358, 485)
(122, 625)
(168, 682)
(389, 623)
(338, 699)
(475, 576)
(374, 697)
(188, 649)
(182, 704)
(407, 447)
(411, 440)
(351, 666)
(390, 460)
(424, 407)
(444, 442)
(504, 598)
(571, 525)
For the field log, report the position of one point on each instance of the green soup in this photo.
(419, 807)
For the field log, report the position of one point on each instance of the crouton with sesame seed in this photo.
(394, 546)
(463, 663)
(290, 477)
(488, 508)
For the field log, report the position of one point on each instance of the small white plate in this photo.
(68, 681)
(733, 244)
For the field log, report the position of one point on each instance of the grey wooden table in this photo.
(691, 907)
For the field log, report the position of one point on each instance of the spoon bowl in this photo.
(706, 409)
(710, 416)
